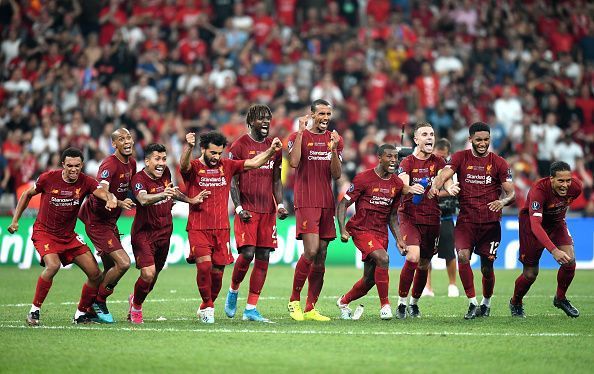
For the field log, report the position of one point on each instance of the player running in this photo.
(542, 225)
(257, 195)
(482, 176)
(62, 192)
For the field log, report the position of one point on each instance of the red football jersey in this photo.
(157, 216)
(118, 175)
(427, 212)
(256, 186)
(374, 199)
(212, 213)
(313, 181)
(60, 202)
(480, 181)
(543, 202)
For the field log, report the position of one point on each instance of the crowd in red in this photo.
(72, 71)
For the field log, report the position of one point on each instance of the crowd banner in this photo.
(17, 249)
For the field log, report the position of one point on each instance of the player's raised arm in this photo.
(20, 208)
(262, 158)
(108, 197)
(186, 157)
(295, 146)
(341, 211)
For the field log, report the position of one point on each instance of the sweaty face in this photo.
(155, 164)
(388, 160)
(72, 167)
(123, 142)
(425, 138)
(262, 125)
(561, 182)
(212, 155)
(480, 142)
(321, 117)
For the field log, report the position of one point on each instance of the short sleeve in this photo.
(405, 166)
(340, 148)
(504, 172)
(41, 183)
(137, 185)
(440, 162)
(106, 171)
(189, 175)
(536, 202)
(356, 189)
(236, 166)
(90, 184)
(456, 161)
(235, 151)
(291, 141)
(575, 189)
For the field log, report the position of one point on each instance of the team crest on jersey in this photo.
(138, 186)
(105, 174)
(370, 244)
(432, 169)
(535, 205)
(77, 193)
(393, 191)
(46, 247)
(489, 166)
(351, 188)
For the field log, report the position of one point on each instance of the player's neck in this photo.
(418, 153)
(149, 175)
(316, 130)
(477, 155)
(123, 159)
(380, 172)
(258, 138)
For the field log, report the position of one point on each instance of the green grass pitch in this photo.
(440, 341)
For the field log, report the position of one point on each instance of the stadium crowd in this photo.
(72, 71)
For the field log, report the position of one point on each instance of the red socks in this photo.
(564, 277)
(87, 296)
(103, 293)
(488, 284)
(141, 289)
(382, 282)
(216, 280)
(521, 289)
(315, 283)
(257, 281)
(41, 291)
(203, 280)
(301, 272)
(406, 277)
(467, 279)
(359, 290)
(240, 269)
(419, 282)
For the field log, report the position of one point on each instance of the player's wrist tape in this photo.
(280, 206)
(239, 209)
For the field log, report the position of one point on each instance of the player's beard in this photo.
(210, 162)
(475, 149)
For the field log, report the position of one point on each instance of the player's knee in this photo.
(424, 264)
(413, 257)
(263, 255)
(52, 269)
(530, 274)
(95, 276)
(248, 253)
(382, 260)
(124, 265)
(463, 257)
(487, 270)
(148, 274)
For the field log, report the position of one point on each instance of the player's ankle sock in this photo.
(203, 281)
(521, 288)
(216, 283)
(486, 302)
(249, 306)
(88, 294)
(407, 275)
(302, 270)
(315, 282)
(382, 282)
(257, 280)
(232, 290)
(34, 308)
(41, 291)
(240, 269)
(78, 313)
(359, 290)
(414, 300)
(564, 277)
(467, 279)
(402, 300)
(419, 282)
(104, 292)
(141, 289)
(472, 300)
(488, 284)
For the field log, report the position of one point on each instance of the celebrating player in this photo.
(419, 218)
(208, 223)
(376, 194)
(482, 176)
(153, 223)
(115, 173)
(62, 192)
(316, 154)
(255, 195)
(542, 225)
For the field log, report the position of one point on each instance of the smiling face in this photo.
(155, 164)
(561, 182)
(388, 161)
(72, 167)
(122, 141)
(480, 141)
(424, 139)
(321, 117)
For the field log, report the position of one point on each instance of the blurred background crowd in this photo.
(72, 71)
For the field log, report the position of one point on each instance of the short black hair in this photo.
(478, 126)
(153, 147)
(382, 149)
(71, 152)
(256, 112)
(558, 166)
(443, 143)
(317, 102)
(212, 137)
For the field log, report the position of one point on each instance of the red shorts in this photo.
(105, 238)
(213, 243)
(481, 238)
(368, 242)
(67, 249)
(424, 236)
(315, 221)
(151, 248)
(260, 231)
(531, 249)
